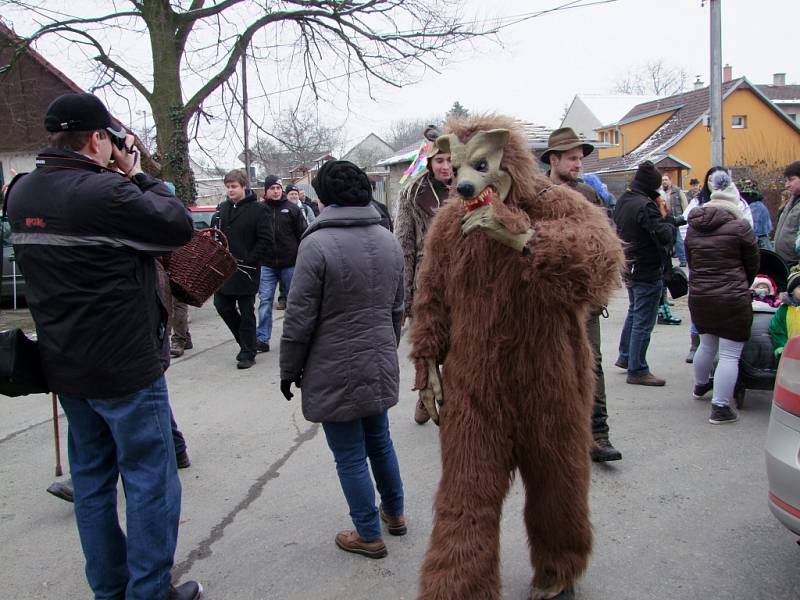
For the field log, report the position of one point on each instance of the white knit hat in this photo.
(723, 188)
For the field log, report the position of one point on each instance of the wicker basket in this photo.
(201, 267)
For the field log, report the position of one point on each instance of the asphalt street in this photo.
(683, 516)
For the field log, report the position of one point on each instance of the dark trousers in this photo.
(599, 407)
(239, 314)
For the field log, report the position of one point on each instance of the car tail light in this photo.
(787, 382)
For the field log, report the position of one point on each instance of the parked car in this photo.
(12, 281)
(783, 440)
(201, 215)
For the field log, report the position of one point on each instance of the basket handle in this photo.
(215, 233)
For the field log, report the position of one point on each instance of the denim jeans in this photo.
(643, 300)
(266, 296)
(680, 249)
(351, 443)
(130, 437)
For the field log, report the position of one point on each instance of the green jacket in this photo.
(778, 332)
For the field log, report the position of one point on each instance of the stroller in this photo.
(758, 365)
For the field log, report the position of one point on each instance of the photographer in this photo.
(85, 231)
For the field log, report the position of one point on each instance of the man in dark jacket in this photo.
(565, 153)
(85, 232)
(648, 232)
(246, 225)
(287, 224)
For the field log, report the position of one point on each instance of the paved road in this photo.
(683, 516)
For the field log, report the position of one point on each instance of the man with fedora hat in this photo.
(564, 154)
(648, 231)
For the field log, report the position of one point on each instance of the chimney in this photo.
(698, 83)
(727, 73)
(779, 79)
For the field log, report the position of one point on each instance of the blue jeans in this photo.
(266, 295)
(128, 436)
(680, 249)
(643, 301)
(351, 443)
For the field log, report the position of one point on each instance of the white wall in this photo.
(21, 163)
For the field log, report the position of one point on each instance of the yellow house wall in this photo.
(766, 138)
(633, 134)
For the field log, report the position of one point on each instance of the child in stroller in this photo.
(758, 364)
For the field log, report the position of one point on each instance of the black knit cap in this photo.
(343, 183)
(271, 180)
(647, 177)
(80, 112)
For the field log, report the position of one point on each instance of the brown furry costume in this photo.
(518, 375)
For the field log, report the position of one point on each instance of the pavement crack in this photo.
(14, 434)
(203, 549)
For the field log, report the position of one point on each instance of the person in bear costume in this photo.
(512, 266)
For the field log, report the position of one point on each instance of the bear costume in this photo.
(511, 267)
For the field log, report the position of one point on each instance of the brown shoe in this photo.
(395, 525)
(421, 415)
(645, 379)
(176, 350)
(350, 541)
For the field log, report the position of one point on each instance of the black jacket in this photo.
(288, 222)
(247, 227)
(647, 235)
(85, 239)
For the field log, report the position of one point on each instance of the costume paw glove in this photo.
(483, 219)
(429, 383)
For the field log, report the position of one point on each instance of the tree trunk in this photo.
(167, 103)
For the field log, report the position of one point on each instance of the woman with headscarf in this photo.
(340, 337)
(723, 262)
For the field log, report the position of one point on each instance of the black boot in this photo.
(693, 348)
(191, 590)
(603, 451)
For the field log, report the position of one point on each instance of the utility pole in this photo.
(244, 112)
(715, 87)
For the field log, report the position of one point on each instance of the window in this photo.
(616, 137)
(738, 121)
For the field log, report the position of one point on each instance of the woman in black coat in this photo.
(723, 261)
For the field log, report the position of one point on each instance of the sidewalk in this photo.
(20, 318)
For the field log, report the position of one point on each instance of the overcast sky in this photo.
(543, 62)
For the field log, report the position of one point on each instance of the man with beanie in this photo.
(86, 225)
(293, 195)
(340, 337)
(564, 154)
(288, 222)
(789, 221)
(246, 224)
(416, 206)
(648, 231)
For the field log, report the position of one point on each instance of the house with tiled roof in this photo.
(673, 133)
(587, 113)
(784, 96)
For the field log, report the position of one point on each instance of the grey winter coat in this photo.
(343, 316)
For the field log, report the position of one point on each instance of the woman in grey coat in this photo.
(340, 337)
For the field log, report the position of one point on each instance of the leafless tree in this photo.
(457, 110)
(652, 78)
(196, 46)
(404, 132)
(297, 137)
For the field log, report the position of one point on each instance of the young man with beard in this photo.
(417, 205)
(288, 222)
(565, 153)
(246, 224)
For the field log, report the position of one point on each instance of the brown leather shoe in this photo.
(421, 415)
(395, 525)
(350, 541)
(176, 349)
(645, 379)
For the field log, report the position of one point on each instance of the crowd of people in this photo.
(87, 223)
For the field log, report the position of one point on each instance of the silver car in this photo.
(783, 440)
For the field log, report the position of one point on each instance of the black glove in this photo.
(286, 387)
